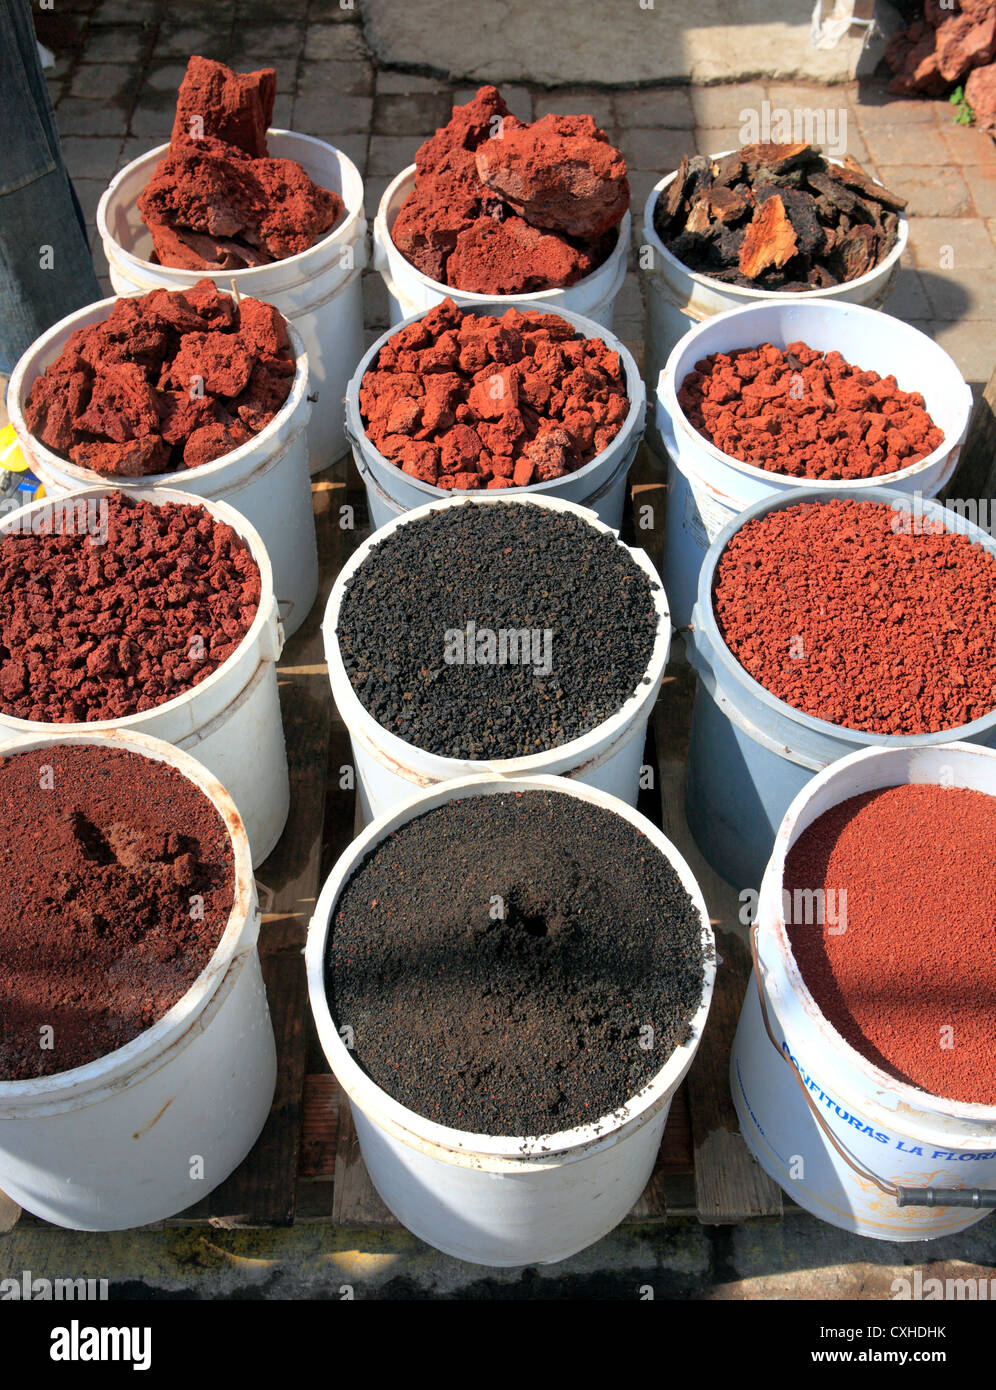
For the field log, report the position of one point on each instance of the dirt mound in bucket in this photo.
(515, 964)
(217, 200)
(112, 606)
(169, 380)
(906, 973)
(466, 401)
(119, 880)
(501, 207)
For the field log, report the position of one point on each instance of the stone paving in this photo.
(119, 63)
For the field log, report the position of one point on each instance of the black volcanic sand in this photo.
(524, 1024)
(507, 567)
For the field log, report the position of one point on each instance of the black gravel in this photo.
(524, 1024)
(508, 567)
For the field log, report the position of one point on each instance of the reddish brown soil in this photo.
(119, 881)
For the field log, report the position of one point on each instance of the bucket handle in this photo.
(978, 1198)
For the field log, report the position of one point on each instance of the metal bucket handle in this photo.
(975, 1197)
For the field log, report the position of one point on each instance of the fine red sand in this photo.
(911, 981)
(806, 414)
(861, 615)
(119, 880)
(470, 401)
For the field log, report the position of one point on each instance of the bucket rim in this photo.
(92, 314)
(667, 396)
(354, 215)
(577, 750)
(705, 627)
(469, 298)
(132, 723)
(631, 429)
(85, 1084)
(764, 296)
(463, 1147)
(773, 928)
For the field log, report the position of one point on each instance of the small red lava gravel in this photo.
(466, 401)
(806, 414)
(910, 983)
(169, 380)
(119, 881)
(515, 964)
(103, 627)
(862, 615)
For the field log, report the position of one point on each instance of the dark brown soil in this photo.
(527, 1023)
(118, 882)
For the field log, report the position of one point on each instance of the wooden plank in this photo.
(10, 1214)
(975, 475)
(355, 1201)
(319, 1127)
(730, 1186)
(261, 1192)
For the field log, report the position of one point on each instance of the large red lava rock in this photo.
(501, 207)
(936, 52)
(217, 201)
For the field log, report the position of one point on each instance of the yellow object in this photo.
(11, 457)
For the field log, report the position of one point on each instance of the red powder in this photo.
(467, 401)
(100, 624)
(911, 980)
(169, 380)
(103, 856)
(806, 414)
(861, 615)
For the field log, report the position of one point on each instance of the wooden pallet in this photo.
(306, 1165)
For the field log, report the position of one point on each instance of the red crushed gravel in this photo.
(467, 401)
(119, 881)
(102, 630)
(854, 613)
(169, 380)
(911, 981)
(806, 414)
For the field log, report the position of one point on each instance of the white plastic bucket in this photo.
(112, 1144)
(266, 479)
(600, 484)
(679, 298)
(411, 293)
(230, 722)
(318, 290)
(389, 770)
(707, 488)
(503, 1201)
(751, 753)
(897, 1132)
